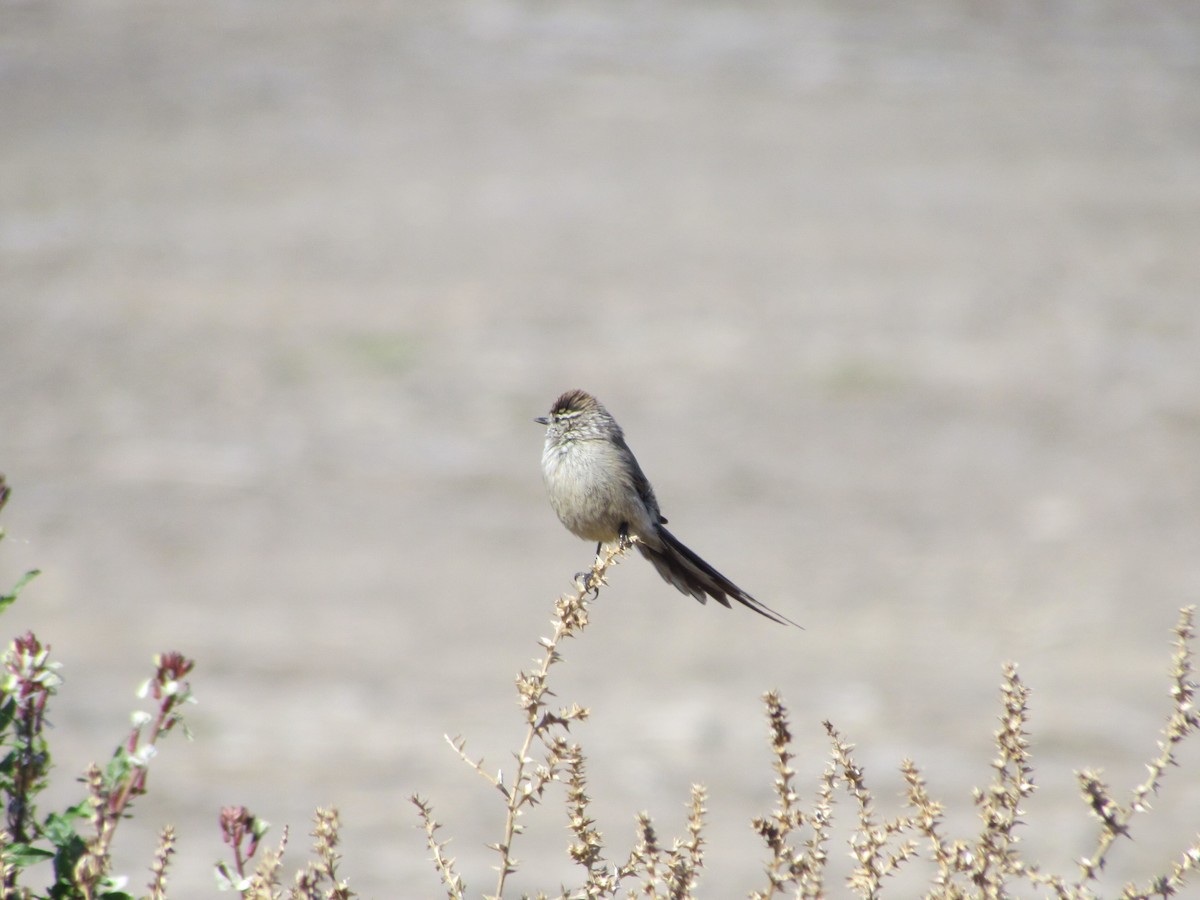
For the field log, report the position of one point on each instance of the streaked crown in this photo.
(577, 415)
(573, 403)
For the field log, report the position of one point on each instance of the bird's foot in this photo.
(589, 582)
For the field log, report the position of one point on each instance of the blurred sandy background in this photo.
(899, 309)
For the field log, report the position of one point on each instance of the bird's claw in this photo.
(588, 582)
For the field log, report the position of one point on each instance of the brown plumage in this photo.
(601, 494)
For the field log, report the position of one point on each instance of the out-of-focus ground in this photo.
(900, 309)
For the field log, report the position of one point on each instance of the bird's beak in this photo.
(542, 420)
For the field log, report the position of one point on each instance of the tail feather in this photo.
(691, 575)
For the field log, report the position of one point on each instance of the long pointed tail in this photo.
(690, 574)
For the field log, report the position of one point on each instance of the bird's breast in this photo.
(590, 490)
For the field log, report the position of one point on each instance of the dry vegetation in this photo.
(69, 852)
(990, 864)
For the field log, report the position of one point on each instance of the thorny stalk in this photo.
(985, 867)
(162, 858)
(1000, 805)
(1184, 720)
(544, 725)
(455, 887)
(526, 789)
(787, 816)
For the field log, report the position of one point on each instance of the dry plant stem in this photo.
(265, 881)
(785, 864)
(645, 856)
(1000, 805)
(528, 782)
(162, 857)
(954, 858)
(675, 870)
(324, 868)
(587, 850)
(525, 789)
(94, 863)
(1168, 885)
(1184, 720)
(687, 857)
(987, 866)
(812, 870)
(869, 840)
(455, 888)
(928, 820)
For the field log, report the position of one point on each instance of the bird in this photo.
(600, 493)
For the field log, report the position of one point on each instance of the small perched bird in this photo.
(601, 494)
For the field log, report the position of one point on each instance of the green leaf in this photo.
(65, 890)
(119, 766)
(22, 855)
(6, 600)
(81, 810)
(8, 709)
(60, 827)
